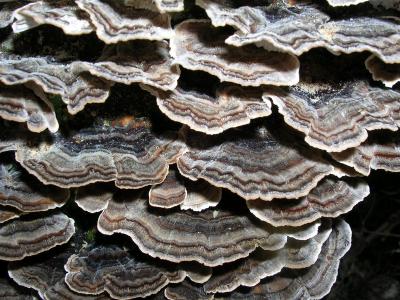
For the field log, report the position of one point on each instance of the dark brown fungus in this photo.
(260, 264)
(76, 89)
(25, 193)
(20, 104)
(297, 27)
(61, 13)
(118, 272)
(379, 152)
(314, 282)
(137, 62)
(197, 45)
(212, 237)
(389, 74)
(330, 198)
(171, 192)
(130, 154)
(336, 118)
(254, 162)
(116, 22)
(232, 106)
(20, 237)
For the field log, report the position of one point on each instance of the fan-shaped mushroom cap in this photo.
(118, 272)
(335, 118)
(185, 291)
(66, 80)
(171, 192)
(174, 191)
(162, 6)
(312, 283)
(61, 13)
(197, 45)
(26, 193)
(201, 195)
(46, 274)
(93, 198)
(389, 74)
(261, 264)
(297, 28)
(116, 22)
(131, 155)
(379, 152)
(212, 237)
(261, 162)
(22, 105)
(20, 238)
(137, 62)
(8, 213)
(330, 198)
(232, 106)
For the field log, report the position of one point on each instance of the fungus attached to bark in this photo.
(171, 192)
(93, 198)
(314, 282)
(260, 264)
(116, 22)
(337, 117)
(26, 237)
(8, 213)
(187, 290)
(20, 104)
(61, 13)
(130, 154)
(197, 45)
(389, 74)
(65, 79)
(137, 62)
(212, 237)
(330, 198)
(254, 162)
(379, 152)
(232, 106)
(25, 193)
(299, 27)
(120, 273)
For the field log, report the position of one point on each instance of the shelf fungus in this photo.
(345, 2)
(137, 62)
(298, 28)
(175, 190)
(63, 14)
(379, 152)
(93, 198)
(9, 291)
(20, 104)
(389, 74)
(46, 275)
(25, 193)
(213, 237)
(232, 106)
(254, 162)
(197, 45)
(130, 154)
(337, 117)
(330, 198)
(7, 13)
(26, 237)
(116, 22)
(8, 213)
(171, 192)
(261, 264)
(76, 87)
(314, 282)
(162, 6)
(121, 274)
(185, 291)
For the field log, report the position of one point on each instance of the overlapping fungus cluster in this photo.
(274, 123)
